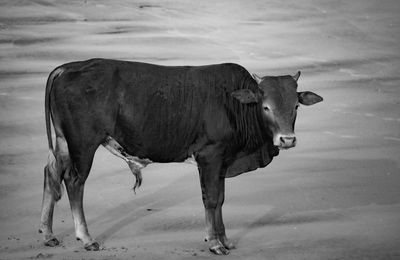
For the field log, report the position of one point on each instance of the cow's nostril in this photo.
(287, 140)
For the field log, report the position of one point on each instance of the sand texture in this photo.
(335, 196)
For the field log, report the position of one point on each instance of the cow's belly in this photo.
(158, 145)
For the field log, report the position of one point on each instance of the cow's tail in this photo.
(53, 75)
(52, 169)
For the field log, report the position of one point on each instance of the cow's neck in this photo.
(251, 131)
(258, 136)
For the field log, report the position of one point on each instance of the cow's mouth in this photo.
(285, 147)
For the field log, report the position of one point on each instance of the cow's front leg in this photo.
(218, 217)
(211, 175)
(214, 230)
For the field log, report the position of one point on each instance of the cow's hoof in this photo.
(218, 248)
(228, 244)
(52, 242)
(93, 246)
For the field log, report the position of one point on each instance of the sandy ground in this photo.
(335, 196)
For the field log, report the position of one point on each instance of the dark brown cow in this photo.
(229, 121)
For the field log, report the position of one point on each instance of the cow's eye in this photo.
(266, 108)
(297, 107)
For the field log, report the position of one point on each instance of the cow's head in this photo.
(279, 102)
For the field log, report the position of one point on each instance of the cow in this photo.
(228, 120)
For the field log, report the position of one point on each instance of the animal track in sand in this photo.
(390, 138)
(338, 110)
(341, 136)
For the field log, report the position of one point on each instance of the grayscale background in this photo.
(335, 196)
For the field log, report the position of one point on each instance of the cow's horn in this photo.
(297, 76)
(256, 78)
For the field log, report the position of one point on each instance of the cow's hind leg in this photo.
(74, 180)
(57, 164)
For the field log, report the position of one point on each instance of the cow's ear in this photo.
(308, 98)
(245, 96)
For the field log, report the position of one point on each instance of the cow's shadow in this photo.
(351, 174)
(127, 213)
(280, 218)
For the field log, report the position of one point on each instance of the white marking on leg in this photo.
(191, 160)
(210, 219)
(81, 230)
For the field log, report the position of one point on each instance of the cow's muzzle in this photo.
(285, 141)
